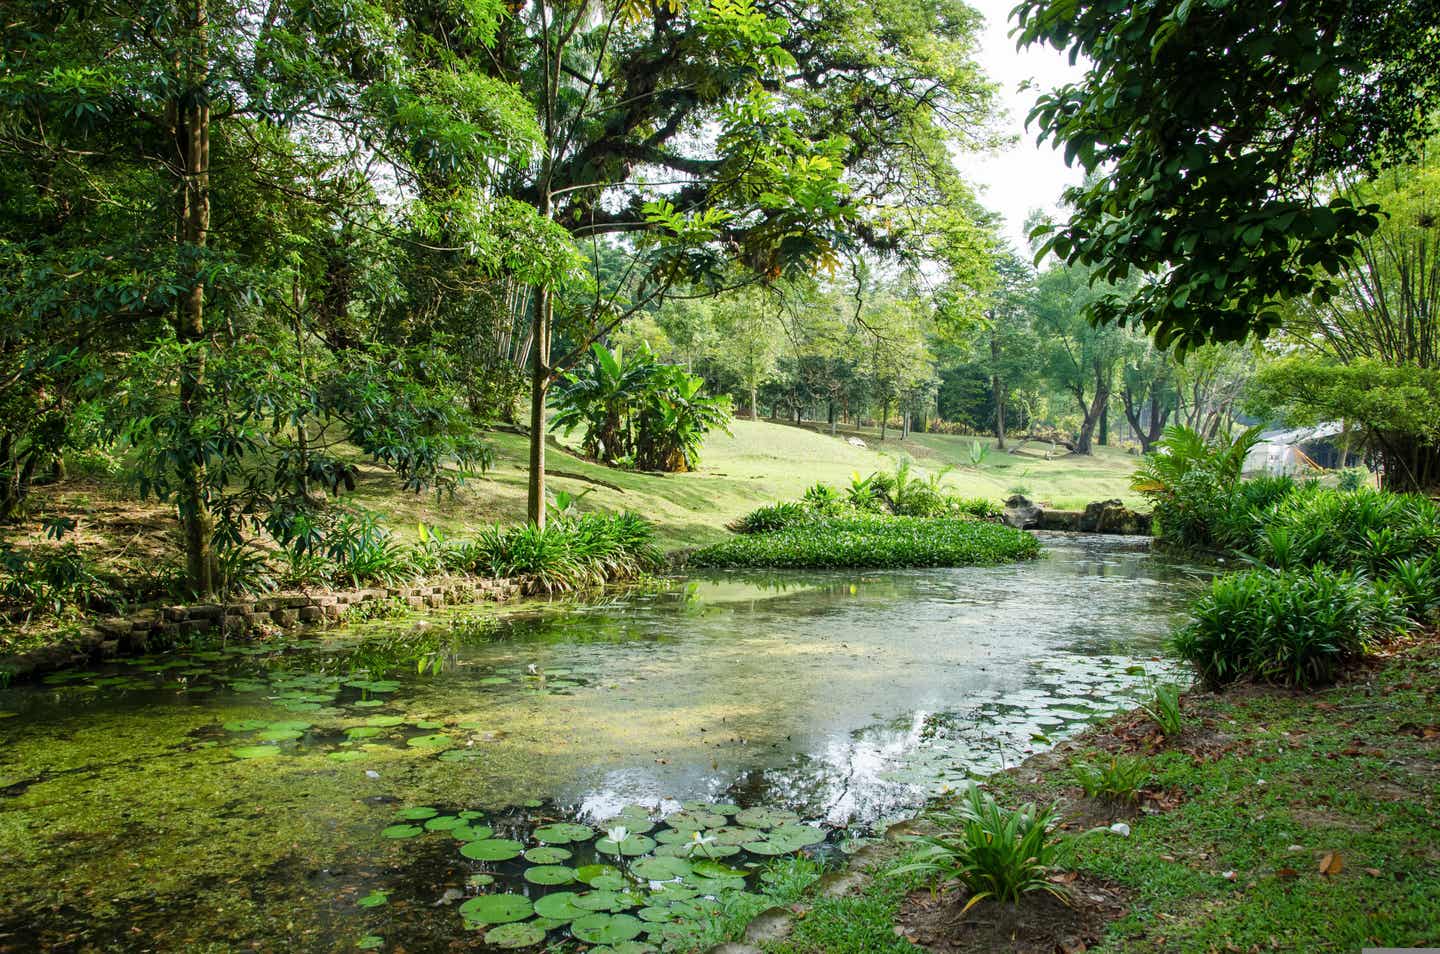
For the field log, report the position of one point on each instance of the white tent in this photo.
(1281, 452)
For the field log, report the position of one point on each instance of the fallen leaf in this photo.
(1287, 873)
(1373, 872)
(1228, 875)
(1064, 877)
(1331, 863)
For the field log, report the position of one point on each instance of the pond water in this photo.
(310, 796)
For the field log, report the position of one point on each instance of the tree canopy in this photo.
(1217, 135)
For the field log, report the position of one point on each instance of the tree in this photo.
(1370, 355)
(178, 165)
(1147, 391)
(1008, 338)
(726, 133)
(748, 341)
(1214, 134)
(1080, 358)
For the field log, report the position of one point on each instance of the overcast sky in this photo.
(1025, 176)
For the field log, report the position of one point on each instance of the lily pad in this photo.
(714, 869)
(564, 833)
(607, 928)
(347, 755)
(370, 942)
(588, 873)
(605, 901)
(471, 832)
(255, 752)
(363, 731)
(402, 831)
(496, 909)
(560, 906)
(515, 935)
(443, 823)
(694, 821)
(550, 874)
(547, 856)
(243, 725)
(480, 880)
(385, 720)
(761, 817)
(492, 849)
(436, 741)
(660, 869)
(418, 813)
(632, 846)
(374, 899)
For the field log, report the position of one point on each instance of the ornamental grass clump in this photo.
(1294, 628)
(1117, 779)
(997, 853)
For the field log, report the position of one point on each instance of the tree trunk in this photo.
(1105, 424)
(1084, 442)
(998, 388)
(193, 144)
(884, 418)
(539, 388)
(754, 403)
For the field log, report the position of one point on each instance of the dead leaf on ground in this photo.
(1331, 863)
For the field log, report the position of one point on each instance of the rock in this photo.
(769, 926)
(1112, 516)
(1068, 520)
(1022, 513)
(855, 442)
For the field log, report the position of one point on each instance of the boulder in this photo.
(1112, 516)
(1022, 513)
(1067, 520)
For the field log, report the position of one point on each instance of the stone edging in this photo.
(250, 617)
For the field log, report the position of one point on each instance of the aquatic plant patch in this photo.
(874, 542)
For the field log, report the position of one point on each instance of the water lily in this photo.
(698, 841)
(618, 834)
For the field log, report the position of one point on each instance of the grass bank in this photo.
(1274, 820)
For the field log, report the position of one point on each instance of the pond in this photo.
(366, 784)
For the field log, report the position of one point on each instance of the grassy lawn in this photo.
(1280, 821)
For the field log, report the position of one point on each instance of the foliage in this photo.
(1117, 779)
(1414, 585)
(644, 410)
(997, 853)
(1295, 628)
(1192, 485)
(50, 579)
(772, 517)
(568, 553)
(1228, 224)
(1366, 530)
(1164, 707)
(874, 541)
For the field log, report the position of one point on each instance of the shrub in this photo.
(569, 553)
(1363, 529)
(771, 518)
(50, 579)
(823, 499)
(874, 541)
(1164, 708)
(1351, 478)
(975, 507)
(1294, 628)
(1414, 585)
(1117, 780)
(1192, 486)
(996, 852)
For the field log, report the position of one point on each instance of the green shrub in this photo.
(997, 853)
(771, 518)
(1364, 529)
(51, 579)
(823, 499)
(1351, 478)
(1118, 779)
(1192, 485)
(975, 507)
(1414, 585)
(569, 553)
(1164, 708)
(874, 541)
(1293, 628)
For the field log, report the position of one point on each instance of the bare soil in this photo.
(1039, 924)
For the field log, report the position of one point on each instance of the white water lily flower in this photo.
(618, 834)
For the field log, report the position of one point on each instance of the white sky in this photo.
(1024, 176)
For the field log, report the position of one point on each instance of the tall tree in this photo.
(1215, 132)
